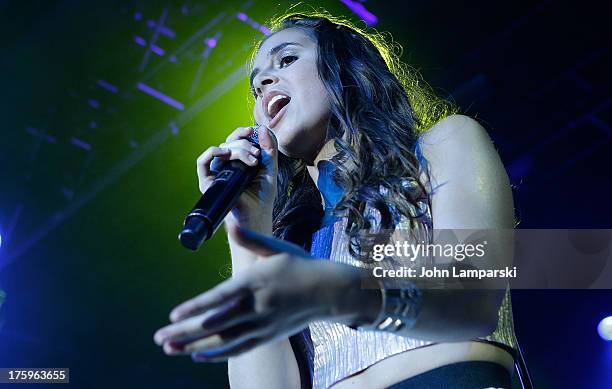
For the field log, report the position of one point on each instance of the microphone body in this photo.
(231, 179)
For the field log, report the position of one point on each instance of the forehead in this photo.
(297, 35)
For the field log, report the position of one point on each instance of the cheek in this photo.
(318, 101)
(316, 94)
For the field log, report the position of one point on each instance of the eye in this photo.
(287, 60)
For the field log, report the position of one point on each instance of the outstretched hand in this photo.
(277, 296)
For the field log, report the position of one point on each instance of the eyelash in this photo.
(281, 62)
(288, 56)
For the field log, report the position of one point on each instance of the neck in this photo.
(325, 154)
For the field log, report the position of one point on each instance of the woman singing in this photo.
(350, 140)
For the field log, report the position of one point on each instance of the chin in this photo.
(285, 138)
(291, 141)
(288, 150)
(291, 149)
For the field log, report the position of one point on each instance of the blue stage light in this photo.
(605, 328)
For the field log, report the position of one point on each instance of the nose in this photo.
(264, 80)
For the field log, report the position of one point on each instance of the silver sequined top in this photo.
(340, 351)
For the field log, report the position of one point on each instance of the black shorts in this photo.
(461, 375)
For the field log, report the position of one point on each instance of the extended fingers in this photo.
(175, 335)
(189, 335)
(231, 342)
(195, 330)
(243, 337)
(221, 293)
(239, 309)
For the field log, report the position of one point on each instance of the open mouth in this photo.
(277, 103)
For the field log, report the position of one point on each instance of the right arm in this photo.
(272, 365)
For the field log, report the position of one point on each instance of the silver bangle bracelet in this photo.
(400, 308)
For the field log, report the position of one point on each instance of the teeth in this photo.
(275, 99)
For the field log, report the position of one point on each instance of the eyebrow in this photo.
(273, 51)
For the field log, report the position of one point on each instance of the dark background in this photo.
(89, 258)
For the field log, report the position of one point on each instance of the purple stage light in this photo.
(158, 50)
(167, 32)
(42, 134)
(108, 86)
(162, 29)
(368, 17)
(174, 128)
(173, 58)
(94, 103)
(521, 167)
(68, 193)
(140, 40)
(259, 27)
(160, 96)
(211, 42)
(156, 32)
(0, 240)
(605, 329)
(137, 16)
(80, 143)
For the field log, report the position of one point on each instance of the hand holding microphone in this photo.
(238, 184)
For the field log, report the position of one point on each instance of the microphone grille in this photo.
(254, 137)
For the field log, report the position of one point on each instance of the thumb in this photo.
(261, 244)
(267, 139)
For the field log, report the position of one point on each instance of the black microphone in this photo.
(231, 179)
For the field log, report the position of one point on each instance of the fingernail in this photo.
(252, 159)
(205, 355)
(170, 349)
(212, 341)
(254, 150)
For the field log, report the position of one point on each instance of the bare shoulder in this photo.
(457, 142)
(466, 174)
(454, 133)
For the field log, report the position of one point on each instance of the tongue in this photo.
(278, 105)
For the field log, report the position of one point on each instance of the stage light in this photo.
(0, 240)
(605, 328)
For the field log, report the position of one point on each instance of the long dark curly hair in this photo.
(379, 107)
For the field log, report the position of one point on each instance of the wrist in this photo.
(354, 305)
(399, 309)
(367, 312)
(260, 224)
